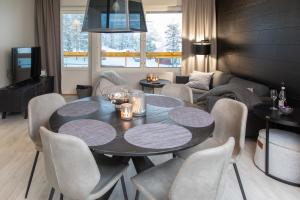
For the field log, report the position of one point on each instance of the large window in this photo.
(159, 47)
(120, 49)
(163, 40)
(74, 42)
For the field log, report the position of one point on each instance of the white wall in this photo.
(16, 30)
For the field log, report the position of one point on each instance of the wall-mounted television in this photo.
(26, 64)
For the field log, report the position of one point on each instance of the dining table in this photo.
(153, 126)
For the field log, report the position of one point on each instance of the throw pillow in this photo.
(200, 80)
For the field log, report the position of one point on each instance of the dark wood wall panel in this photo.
(260, 40)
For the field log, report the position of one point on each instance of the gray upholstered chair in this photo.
(74, 171)
(230, 121)
(179, 91)
(200, 176)
(40, 110)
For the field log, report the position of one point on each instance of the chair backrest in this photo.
(69, 164)
(201, 174)
(40, 110)
(179, 91)
(230, 121)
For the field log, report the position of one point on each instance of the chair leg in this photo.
(32, 172)
(239, 180)
(137, 195)
(124, 188)
(61, 196)
(51, 194)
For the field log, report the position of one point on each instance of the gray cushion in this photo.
(221, 78)
(259, 89)
(156, 182)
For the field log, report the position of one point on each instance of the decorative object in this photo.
(118, 98)
(202, 47)
(152, 78)
(114, 16)
(274, 95)
(137, 99)
(92, 132)
(126, 111)
(286, 110)
(158, 136)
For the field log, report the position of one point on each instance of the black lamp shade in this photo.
(202, 48)
(114, 16)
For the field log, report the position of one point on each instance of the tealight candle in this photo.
(126, 111)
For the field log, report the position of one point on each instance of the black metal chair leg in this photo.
(124, 188)
(32, 172)
(61, 196)
(137, 195)
(51, 194)
(239, 180)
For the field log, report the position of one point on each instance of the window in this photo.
(161, 45)
(120, 49)
(74, 42)
(163, 40)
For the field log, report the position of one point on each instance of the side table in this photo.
(157, 84)
(276, 117)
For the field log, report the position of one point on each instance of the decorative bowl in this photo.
(118, 98)
(286, 110)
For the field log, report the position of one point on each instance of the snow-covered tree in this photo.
(173, 40)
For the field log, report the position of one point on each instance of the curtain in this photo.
(47, 16)
(198, 23)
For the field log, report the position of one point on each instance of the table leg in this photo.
(142, 163)
(267, 146)
(153, 90)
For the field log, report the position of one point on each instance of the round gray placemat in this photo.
(158, 136)
(163, 101)
(79, 108)
(93, 132)
(191, 117)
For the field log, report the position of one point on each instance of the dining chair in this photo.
(200, 176)
(179, 91)
(74, 171)
(230, 121)
(40, 109)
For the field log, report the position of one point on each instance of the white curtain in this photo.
(198, 23)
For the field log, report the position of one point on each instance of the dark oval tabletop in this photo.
(157, 84)
(275, 116)
(119, 146)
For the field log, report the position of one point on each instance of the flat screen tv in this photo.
(26, 64)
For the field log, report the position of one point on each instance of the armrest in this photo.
(182, 79)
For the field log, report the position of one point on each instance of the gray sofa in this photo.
(221, 80)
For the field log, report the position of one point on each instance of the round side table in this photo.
(156, 84)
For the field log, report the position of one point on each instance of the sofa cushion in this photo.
(259, 89)
(200, 80)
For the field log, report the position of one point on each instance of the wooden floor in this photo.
(17, 153)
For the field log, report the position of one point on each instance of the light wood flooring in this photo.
(17, 153)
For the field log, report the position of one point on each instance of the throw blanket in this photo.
(232, 91)
(109, 82)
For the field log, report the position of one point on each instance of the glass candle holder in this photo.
(137, 99)
(126, 111)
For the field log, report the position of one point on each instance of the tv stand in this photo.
(14, 98)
